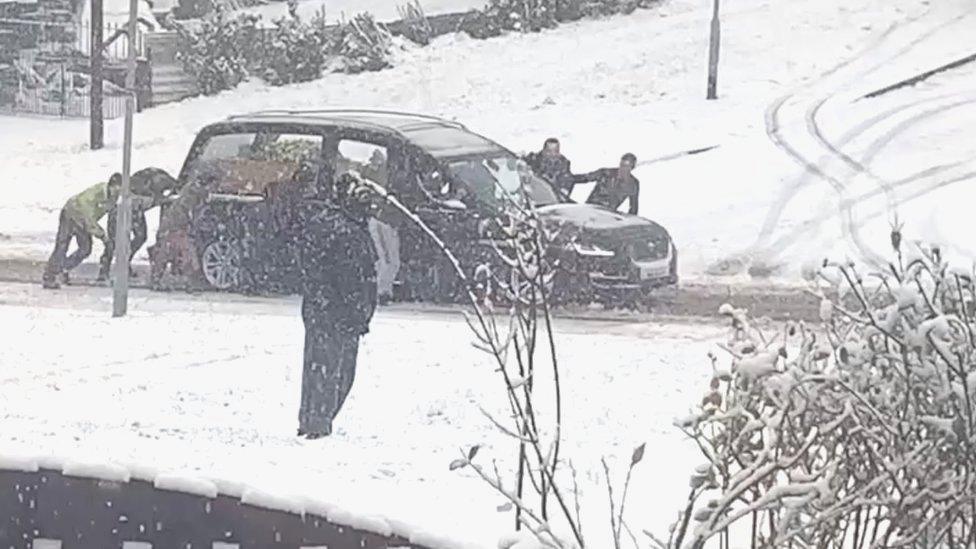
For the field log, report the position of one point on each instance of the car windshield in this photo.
(494, 179)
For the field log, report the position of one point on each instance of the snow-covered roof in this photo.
(190, 483)
(440, 137)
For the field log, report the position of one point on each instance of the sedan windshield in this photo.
(498, 178)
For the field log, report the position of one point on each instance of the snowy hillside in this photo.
(637, 84)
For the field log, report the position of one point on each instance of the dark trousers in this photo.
(139, 235)
(327, 376)
(60, 261)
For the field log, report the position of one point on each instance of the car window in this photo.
(494, 180)
(369, 159)
(248, 163)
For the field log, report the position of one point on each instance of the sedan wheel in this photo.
(221, 262)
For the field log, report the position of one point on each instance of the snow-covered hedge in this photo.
(858, 432)
(217, 54)
(293, 51)
(499, 16)
(225, 50)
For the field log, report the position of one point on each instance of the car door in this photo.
(375, 156)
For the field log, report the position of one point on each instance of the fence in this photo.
(69, 104)
(45, 508)
(64, 89)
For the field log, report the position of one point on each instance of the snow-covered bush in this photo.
(499, 16)
(362, 45)
(217, 55)
(416, 27)
(294, 50)
(858, 432)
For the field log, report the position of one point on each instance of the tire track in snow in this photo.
(811, 168)
(772, 113)
(889, 188)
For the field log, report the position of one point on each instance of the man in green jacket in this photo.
(79, 221)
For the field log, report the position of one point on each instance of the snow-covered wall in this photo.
(107, 504)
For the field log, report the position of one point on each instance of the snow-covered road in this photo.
(210, 386)
(631, 83)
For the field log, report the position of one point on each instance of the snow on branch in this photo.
(858, 432)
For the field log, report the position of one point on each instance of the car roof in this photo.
(439, 137)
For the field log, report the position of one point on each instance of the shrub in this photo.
(217, 55)
(416, 27)
(294, 50)
(856, 433)
(499, 16)
(363, 44)
(512, 15)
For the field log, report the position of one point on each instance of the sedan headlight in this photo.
(592, 250)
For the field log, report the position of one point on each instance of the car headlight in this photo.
(592, 250)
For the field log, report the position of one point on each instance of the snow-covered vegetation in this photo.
(855, 433)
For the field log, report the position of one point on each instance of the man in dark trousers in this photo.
(79, 222)
(614, 185)
(552, 165)
(338, 271)
(149, 186)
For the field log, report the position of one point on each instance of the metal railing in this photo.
(119, 48)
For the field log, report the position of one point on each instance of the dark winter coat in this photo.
(338, 269)
(554, 168)
(153, 183)
(611, 189)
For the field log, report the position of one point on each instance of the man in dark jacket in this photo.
(338, 271)
(552, 165)
(149, 186)
(174, 242)
(79, 221)
(614, 185)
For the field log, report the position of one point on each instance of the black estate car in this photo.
(450, 176)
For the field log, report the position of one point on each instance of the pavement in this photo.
(687, 302)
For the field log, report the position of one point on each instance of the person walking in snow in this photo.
(79, 222)
(614, 185)
(150, 187)
(550, 164)
(338, 270)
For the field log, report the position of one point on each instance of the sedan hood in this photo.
(592, 220)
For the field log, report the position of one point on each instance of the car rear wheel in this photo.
(221, 264)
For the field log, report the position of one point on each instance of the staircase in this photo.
(169, 82)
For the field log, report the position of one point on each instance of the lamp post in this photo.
(96, 120)
(120, 283)
(713, 51)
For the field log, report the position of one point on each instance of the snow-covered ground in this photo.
(637, 84)
(209, 386)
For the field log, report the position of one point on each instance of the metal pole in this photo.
(120, 285)
(713, 51)
(97, 125)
